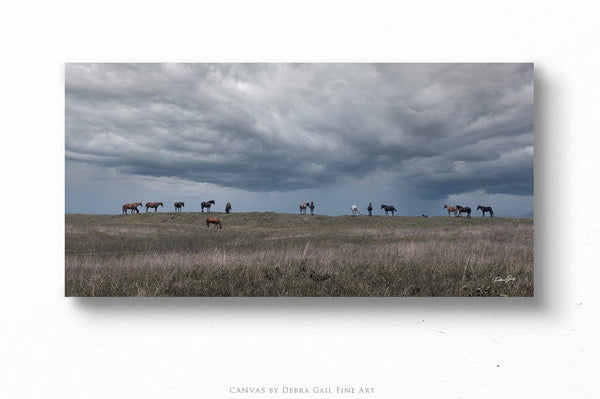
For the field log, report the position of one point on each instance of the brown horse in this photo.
(178, 206)
(451, 209)
(133, 207)
(228, 207)
(214, 221)
(303, 207)
(153, 205)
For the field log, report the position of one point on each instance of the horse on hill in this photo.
(214, 221)
(153, 205)
(303, 207)
(132, 207)
(463, 209)
(207, 204)
(450, 209)
(228, 207)
(178, 206)
(355, 210)
(312, 208)
(388, 208)
(485, 209)
(370, 209)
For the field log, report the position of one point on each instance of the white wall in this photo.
(51, 346)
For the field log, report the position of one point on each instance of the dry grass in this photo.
(267, 254)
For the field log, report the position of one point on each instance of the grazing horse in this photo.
(303, 207)
(424, 215)
(463, 209)
(451, 209)
(388, 208)
(153, 205)
(133, 207)
(214, 221)
(370, 209)
(228, 207)
(178, 206)
(485, 209)
(312, 208)
(355, 210)
(206, 204)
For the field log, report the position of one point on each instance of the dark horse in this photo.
(388, 208)
(370, 209)
(463, 209)
(312, 208)
(133, 207)
(214, 221)
(303, 207)
(228, 207)
(178, 206)
(153, 205)
(207, 204)
(485, 209)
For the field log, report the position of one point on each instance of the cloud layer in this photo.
(433, 130)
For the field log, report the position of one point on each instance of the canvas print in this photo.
(299, 179)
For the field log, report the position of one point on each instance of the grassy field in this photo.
(273, 254)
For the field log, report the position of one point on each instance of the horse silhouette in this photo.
(207, 204)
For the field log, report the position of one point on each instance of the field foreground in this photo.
(272, 254)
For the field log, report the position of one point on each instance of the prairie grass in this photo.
(270, 254)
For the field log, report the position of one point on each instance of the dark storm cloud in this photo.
(436, 129)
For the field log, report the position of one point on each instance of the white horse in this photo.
(355, 210)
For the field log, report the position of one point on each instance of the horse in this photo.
(303, 207)
(153, 205)
(485, 209)
(214, 221)
(388, 208)
(178, 206)
(355, 210)
(312, 208)
(133, 207)
(451, 209)
(206, 204)
(424, 215)
(370, 209)
(228, 207)
(463, 209)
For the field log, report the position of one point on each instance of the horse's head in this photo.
(479, 207)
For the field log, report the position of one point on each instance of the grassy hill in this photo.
(274, 254)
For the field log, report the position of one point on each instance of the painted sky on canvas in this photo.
(266, 137)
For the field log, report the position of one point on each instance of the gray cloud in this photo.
(432, 129)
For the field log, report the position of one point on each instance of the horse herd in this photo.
(178, 205)
(456, 210)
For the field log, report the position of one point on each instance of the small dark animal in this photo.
(312, 208)
(153, 205)
(318, 277)
(388, 208)
(303, 207)
(370, 209)
(463, 209)
(451, 209)
(214, 221)
(228, 207)
(207, 204)
(485, 209)
(132, 207)
(178, 206)
(424, 215)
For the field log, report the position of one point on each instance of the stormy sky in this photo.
(266, 137)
